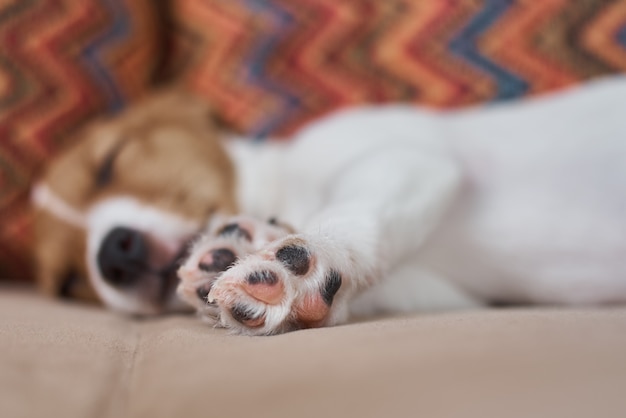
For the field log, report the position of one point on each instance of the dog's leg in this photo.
(378, 212)
(411, 288)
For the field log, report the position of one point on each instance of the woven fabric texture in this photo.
(268, 66)
(62, 62)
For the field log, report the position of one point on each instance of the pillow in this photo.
(61, 63)
(268, 66)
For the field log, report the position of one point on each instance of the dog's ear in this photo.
(60, 267)
(59, 199)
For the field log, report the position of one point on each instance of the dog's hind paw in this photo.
(290, 284)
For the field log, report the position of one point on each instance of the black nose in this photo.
(122, 257)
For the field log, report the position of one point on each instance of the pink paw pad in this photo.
(314, 307)
(264, 286)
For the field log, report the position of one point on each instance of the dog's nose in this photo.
(122, 257)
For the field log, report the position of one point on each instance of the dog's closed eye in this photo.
(104, 174)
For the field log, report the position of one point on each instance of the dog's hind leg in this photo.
(410, 288)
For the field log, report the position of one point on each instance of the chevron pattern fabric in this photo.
(61, 63)
(268, 66)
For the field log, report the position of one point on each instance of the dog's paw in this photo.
(290, 284)
(225, 241)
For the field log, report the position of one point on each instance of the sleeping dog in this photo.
(369, 210)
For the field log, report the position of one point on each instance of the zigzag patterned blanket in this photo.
(268, 66)
(61, 63)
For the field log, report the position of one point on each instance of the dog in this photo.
(114, 212)
(376, 209)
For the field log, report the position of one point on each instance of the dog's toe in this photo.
(203, 291)
(295, 257)
(265, 286)
(236, 230)
(217, 260)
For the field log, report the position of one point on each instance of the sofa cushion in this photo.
(74, 361)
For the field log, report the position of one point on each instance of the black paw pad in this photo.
(263, 276)
(203, 291)
(241, 314)
(235, 229)
(222, 259)
(295, 258)
(331, 287)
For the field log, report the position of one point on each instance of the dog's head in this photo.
(116, 210)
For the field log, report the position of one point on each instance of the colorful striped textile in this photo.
(268, 66)
(61, 63)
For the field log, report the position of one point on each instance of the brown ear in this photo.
(58, 253)
(59, 247)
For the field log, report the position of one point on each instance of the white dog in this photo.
(375, 209)
(398, 209)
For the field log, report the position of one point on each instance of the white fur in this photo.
(170, 230)
(523, 202)
(44, 198)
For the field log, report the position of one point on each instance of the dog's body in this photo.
(397, 209)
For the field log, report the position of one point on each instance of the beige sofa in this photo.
(67, 360)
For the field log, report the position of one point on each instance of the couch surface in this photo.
(64, 360)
